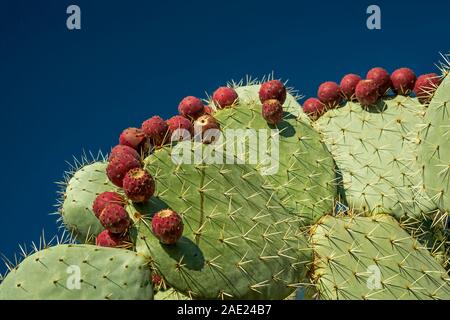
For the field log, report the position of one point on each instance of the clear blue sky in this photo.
(64, 91)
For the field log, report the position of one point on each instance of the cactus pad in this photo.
(306, 180)
(373, 258)
(82, 189)
(53, 274)
(375, 150)
(238, 242)
(434, 151)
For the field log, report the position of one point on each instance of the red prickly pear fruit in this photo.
(426, 84)
(208, 127)
(224, 97)
(179, 122)
(272, 111)
(209, 110)
(167, 226)
(119, 166)
(112, 240)
(115, 219)
(348, 85)
(105, 198)
(403, 80)
(191, 107)
(273, 89)
(120, 149)
(138, 185)
(314, 108)
(367, 92)
(381, 78)
(156, 280)
(156, 129)
(134, 138)
(329, 94)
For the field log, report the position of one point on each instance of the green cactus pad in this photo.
(82, 189)
(238, 241)
(375, 150)
(305, 180)
(373, 258)
(434, 150)
(103, 273)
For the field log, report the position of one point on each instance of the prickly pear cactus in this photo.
(319, 217)
(434, 150)
(375, 150)
(239, 241)
(373, 258)
(304, 179)
(79, 272)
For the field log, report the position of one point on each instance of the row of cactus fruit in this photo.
(357, 209)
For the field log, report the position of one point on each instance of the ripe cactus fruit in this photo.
(329, 93)
(367, 92)
(375, 151)
(272, 111)
(208, 127)
(434, 150)
(156, 129)
(191, 107)
(167, 226)
(273, 89)
(115, 219)
(134, 138)
(373, 258)
(348, 85)
(52, 274)
(381, 78)
(314, 108)
(232, 245)
(111, 240)
(426, 85)
(179, 122)
(119, 166)
(138, 185)
(403, 81)
(224, 97)
(120, 149)
(156, 280)
(303, 163)
(81, 189)
(105, 198)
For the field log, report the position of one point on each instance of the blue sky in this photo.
(62, 92)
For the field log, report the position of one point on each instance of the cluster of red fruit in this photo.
(377, 84)
(125, 171)
(272, 95)
(125, 166)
